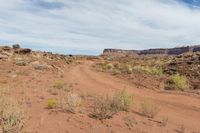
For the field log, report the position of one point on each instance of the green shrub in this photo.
(51, 104)
(150, 70)
(109, 66)
(178, 82)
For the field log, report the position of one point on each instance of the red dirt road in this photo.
(182, 111)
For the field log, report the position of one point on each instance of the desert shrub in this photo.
(108, 66)
(59, 84)
(40, 66)
(150, 70)
(69, 102)
(102, 108)
(178, 82)
(12, 117)
(148, 109)
(164, 121)
(51, 103)
(156, 71)
(122, 101)
(106, 107)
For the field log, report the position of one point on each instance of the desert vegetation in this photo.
(45, 92)
(106, 107)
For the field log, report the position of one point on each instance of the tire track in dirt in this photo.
(181, 109)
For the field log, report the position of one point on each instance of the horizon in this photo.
(88, 27)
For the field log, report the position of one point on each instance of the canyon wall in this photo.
(160, 51)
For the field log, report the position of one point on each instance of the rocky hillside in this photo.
(160, 51)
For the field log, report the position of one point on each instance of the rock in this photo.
(6, 48)
(39, 66)
(23, 51)
(21, 63)
(3, 56)
(16, 46)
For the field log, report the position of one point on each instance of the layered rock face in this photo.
(161, 51)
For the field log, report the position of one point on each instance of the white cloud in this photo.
(92, 25)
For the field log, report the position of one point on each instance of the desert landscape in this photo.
(119, 91)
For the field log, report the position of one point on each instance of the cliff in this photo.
(160, 51)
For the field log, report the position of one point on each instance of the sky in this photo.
(89, 26)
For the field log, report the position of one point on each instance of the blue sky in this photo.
(89, 26)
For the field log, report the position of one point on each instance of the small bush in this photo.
(59, 84)
(178, 82)
(150, 70)
(51, 104)
(164, 121)
(70, 102)
(122, 101)
(102, 108)
(108, 66)
(149, 110)
(106, 107)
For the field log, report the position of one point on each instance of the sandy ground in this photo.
(181, 110)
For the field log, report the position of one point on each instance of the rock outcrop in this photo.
(160, 51)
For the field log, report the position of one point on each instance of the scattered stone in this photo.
(21, 63)
(23, 51)
(3, 56)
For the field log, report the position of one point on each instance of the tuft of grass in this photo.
(106, 107)
(51, 104)
(122, 101)
(69, 102)
(178, 82)
(59, 84)
(150, 70)
(149, 110)
(12, 116)
(164, 121)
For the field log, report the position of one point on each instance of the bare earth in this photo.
(34, 86)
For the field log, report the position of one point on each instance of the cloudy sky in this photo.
(89, 26)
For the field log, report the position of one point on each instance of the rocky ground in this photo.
(53, 93)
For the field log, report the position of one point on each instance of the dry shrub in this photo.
(122, 101)
(69, 102)
(59, 84)
(106, 107)
(148, 109)
(150, 70)
(102, 108)
(12, 115)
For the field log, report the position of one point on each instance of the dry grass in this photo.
(59, 84)
(12, 115)
(150, 70)
(69, 102)
(148, 109)
(106, 107)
